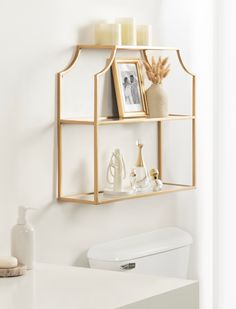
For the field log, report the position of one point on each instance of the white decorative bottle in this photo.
(142, 181)
(22, 239)
(155, 182)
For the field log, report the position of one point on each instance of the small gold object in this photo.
(133, 173)
(139, 162)
(156, 183)
(154, 173)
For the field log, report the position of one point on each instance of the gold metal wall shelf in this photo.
(96, 197)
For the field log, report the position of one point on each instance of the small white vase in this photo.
(157, 100)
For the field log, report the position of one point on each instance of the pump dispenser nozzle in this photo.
(22, 211)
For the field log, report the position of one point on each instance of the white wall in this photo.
(37, 40)
(196, 214)
(225, 152)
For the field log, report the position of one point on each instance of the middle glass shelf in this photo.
(108, 121)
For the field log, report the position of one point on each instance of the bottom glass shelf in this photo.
(89, 197)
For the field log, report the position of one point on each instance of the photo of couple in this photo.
(129, 88)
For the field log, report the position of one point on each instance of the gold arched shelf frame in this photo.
(95, 196)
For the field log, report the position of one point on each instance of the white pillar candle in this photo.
(108, 34)
(128, 30)
(144, 35)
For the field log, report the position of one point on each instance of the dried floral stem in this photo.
(157, 71)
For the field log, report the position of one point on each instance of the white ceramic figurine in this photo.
(116, 172)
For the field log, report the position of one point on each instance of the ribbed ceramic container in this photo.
(157, 100)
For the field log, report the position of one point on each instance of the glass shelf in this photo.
(126, 47)
(108, 121)
(89, 197)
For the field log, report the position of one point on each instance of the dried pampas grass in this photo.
(156, 71)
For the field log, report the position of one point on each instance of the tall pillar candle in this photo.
(144, 35)
(128, 30)
(108, 34)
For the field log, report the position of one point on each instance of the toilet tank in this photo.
(163, 252)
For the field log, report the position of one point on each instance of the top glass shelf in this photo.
(125, 47)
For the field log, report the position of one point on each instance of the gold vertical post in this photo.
(159, 132)
(193, 120)
(59, 136)
(96, 124)
(59, 125)
(96, 171)
(159, 149)
(193, 132)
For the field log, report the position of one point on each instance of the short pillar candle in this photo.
(144, 35)
(128, 30)
(108, 34)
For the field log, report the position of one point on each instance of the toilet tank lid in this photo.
(141, 245)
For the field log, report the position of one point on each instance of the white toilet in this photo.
(163, 252)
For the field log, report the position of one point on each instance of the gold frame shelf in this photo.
(97, 197)
(125, 47)
(108, 121)
(88, 198)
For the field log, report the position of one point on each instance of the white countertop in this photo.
(66, 287)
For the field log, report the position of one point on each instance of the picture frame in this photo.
(129, 88)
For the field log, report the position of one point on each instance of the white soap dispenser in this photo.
(22, 239)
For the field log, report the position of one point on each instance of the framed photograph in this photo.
(129, 88)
